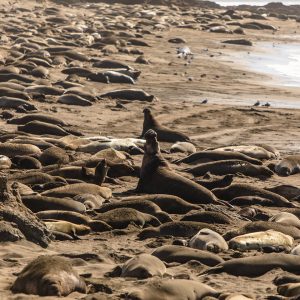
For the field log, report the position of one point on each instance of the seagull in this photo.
(257, 103)
(204, 101)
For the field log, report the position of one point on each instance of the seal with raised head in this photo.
(164, 134)
(49, 276)
(157, 177)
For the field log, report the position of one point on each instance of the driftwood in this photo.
(16, 221)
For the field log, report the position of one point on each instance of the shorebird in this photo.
(257, 103)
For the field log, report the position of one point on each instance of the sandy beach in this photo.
(217, 72)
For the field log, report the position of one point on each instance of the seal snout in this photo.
(146, 111)
(150, 134)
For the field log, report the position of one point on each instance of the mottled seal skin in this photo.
(176, 229)
(181, 254)
(261, 239)
(209, 240)
(49, 276)
(163, 133)
(173, 289)
(208, 156)
(143, 266)
(263, 226)
(238, 190)
(223, 167)
(255, 266)
(120, 218)
(157, 177)
(168, 203)
(288, 166)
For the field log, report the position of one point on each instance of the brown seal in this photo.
(163, 133)
(157, 177)
(49, 276)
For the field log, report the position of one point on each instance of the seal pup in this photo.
(207, 239)
(157, 177)
(49, 276)
(288, 166)
(164, 134)
(260, 240)
(173, 289)
(255, 266)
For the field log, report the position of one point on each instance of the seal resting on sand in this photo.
(255, 266)
(173, 289)
(288, 166)
(163, 133)
(49, 276)
(158, 178)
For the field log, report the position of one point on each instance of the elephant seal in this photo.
(296, 250)
(5, 162)
(224, 167)
(54, 155)
(211, 182)
(38, 203)
(183, 147)
(254, 151)
(96, 175)
(41, 128)
(289, 290)
(239, 189)
(129, 94)
(211, 217)
(79, 188)
(11, 102)
(70, 216)
(164, 134)
(44, 90)
(209, 156)
(68, 228)
(286, 218)
(255, 266)
(168, 203)
(173, 289)
(26, 162)
(120, 218)
(73, 99)
(37, 117)
(143, 206)
(181, 254)
(263, 226)
(176, 229)
(209, 240)
(251, 200)
(111, 77)
(260, 240)
(157, 177)
(143, 266)
(288, 166)
(11, 150)
(110, 64)
(287, 191)
(49, 276)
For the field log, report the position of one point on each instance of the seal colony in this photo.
(114, 185)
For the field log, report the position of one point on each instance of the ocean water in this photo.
(255, 2)
(282, 61)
